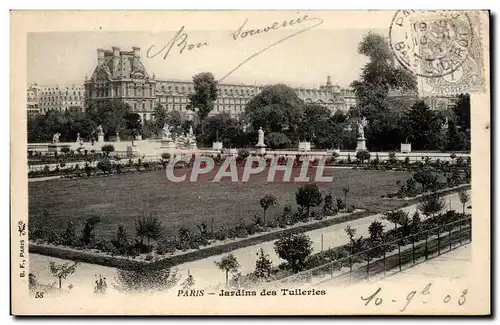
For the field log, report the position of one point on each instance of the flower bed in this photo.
(178, 256)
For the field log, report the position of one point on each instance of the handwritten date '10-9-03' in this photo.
(378, 299)
(182, 42)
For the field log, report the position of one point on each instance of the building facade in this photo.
(121, 75)
(41, 99)
(32, 100)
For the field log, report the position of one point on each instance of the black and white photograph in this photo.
(250, 162)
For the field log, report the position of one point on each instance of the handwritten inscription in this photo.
(377, 298)
(182, 42)
(241, 33)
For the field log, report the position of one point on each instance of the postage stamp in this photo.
(442, 48)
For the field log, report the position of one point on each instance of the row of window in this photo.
(58, 98)
(61, 103)
(219, 100)
(74, 93)
(217, 108)
(104, 92)
(183, 89)
(75, 109)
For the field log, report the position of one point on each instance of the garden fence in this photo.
(389, 257)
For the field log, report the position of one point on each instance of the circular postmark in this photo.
(430, 43)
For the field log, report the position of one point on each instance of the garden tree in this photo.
(328, 207)
(105, 165)
(65, 150)
(62, 271)
(277, 108)
(363, 155)
(355, 244)
(69, 236)
(121, 242)
(159, 118)
(149, 227)
(388, 129)
(41, 128)
(427, 178)
(345, 190)
(243, 154)
(424, 126)
(455, 140)
(341, 135)
(308, 196)
(110, 114)
(431, 205)
(294, 248)
(277, 140)
(337, 136)
(149, 129)
(263, 265)
(340, 117)
(416, 224)
(462, 111)
(132, 123)
(204, 96)
(228, 263)
(224, 128)
(398, 217)
(376, 231)
(379, 76)
(107, 149)
(153, 278)
(464, 198)
(315, 125)
(266, 202)
(88, 229)
(340, 204)
(175, 119)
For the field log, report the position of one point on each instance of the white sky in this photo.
(306, 59)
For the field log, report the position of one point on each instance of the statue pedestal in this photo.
(217, 145)
(167, 145)
(405, 147)
(100, 138)
(260, 149)
(304, 146)
(361, 144)
(132, 151)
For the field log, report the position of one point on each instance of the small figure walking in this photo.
(100, 285)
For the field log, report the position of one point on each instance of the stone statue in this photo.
(260, 142)
(166, 131)
(78, 139)
(55, 138)
(191, 131)
(361, 131)
(99, 130)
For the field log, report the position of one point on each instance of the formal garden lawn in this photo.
(121, 199)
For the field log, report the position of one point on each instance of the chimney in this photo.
(100, 56)
(328, 80)
(137, 51)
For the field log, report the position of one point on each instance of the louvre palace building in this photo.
(121, 75)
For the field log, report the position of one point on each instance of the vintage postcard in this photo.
(250, 162)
